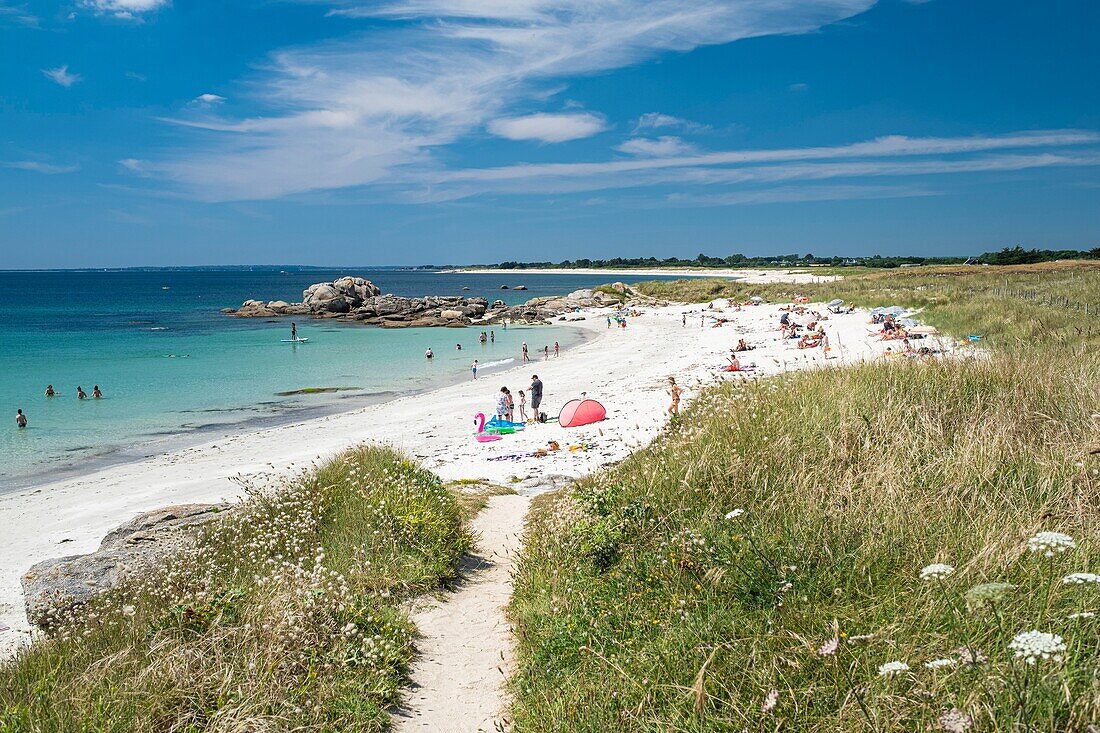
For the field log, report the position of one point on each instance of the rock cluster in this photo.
(356, 299)
(53, 587)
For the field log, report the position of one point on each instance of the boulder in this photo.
(54, 587)
(451, 315)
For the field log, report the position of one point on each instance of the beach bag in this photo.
(542, 417)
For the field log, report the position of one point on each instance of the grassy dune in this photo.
(645, 601)
(284, 617)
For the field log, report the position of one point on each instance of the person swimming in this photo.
(429, 354)
(96, 393)
(80, 393)
(20, 419)
(49, 390)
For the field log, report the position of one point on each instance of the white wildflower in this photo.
(1081, 578)
(936, 571)
(889, 669)
(770, 701)
(734, 514)
(128, 610)
(955, 721)
(1051, 543)
(1031, 646)
(829, 648)
(941, 663)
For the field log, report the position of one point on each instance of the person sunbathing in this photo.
(742, 346)
(809, 341)
(736, 366)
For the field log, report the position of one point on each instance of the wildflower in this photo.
(1031, 646)
(955, 721)
(889, 669)
(829, 648)
(769, 701)
(936, 571)
(941, 663)
(128, 610)
(988, 593)
(1080, 578)
(969, 656)
(734, 514)
(1051, 543)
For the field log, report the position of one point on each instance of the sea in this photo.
(174, 370)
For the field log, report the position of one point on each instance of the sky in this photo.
(392, 132)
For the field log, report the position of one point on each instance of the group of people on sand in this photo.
(545, 351)
(506, 403)
(810, 334)
(21, 417)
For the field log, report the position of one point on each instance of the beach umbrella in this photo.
(835, 303)
(757, 299)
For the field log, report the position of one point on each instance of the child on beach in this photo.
(557, 349)
(526, 358)
(473, 368)
(522, 406)
(511, 405)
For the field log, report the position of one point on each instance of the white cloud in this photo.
(549, 128)
(657, 120)
(660, 147)
(38, 166)
(62, 76)
(208, 99)
(799, 87)
(126, 9)
(369, 108)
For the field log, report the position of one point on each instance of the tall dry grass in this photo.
(640, 606)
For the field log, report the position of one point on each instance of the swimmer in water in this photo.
(428, 354)
(80, 393)
(49, 390)
(96, 393)
(20, 419)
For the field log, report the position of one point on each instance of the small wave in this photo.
(502, 362)
(159, 328)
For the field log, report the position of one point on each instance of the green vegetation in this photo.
(284, 616)
(771, 561)
(1007, 256)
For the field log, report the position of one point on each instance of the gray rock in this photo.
(56, 586)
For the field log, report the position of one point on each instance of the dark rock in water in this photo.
(56, 586)
(503, 287)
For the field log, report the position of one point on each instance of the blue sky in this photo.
(163, 132)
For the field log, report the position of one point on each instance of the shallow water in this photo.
(170, 364)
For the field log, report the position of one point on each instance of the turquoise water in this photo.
(171, 366)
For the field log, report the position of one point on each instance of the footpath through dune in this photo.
(465, 650)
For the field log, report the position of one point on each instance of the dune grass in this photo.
(284, 616)
(759, 567)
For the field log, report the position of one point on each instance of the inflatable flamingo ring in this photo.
(482, 436)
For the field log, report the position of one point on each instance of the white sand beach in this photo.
(626, 369)
(756, 277)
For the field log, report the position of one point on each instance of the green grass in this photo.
(285, 616)
(639, 607)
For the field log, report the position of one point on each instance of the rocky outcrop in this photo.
(356, 299)
(53, 587)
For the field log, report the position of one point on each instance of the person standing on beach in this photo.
(526, 358)
(557, 349)
(684, 322)
(674, 392)
(20, 419)
(473, 368)
(49, 390)
(536, 396)
(522, 406)
(502, 405)
(545, 352)
(609, 321)
(511, 405)
(80, 393)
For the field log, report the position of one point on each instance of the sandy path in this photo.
(465, 649)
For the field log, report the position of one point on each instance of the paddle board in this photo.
(295, 341)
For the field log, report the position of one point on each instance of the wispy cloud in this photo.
(662, 147)
(549, 128)
(369, 108)
(12, 14)
(658, 120)
(208, 99)
(126, 9)
(62, 76)
(38, 166)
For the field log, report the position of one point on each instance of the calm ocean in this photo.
(173, 369)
